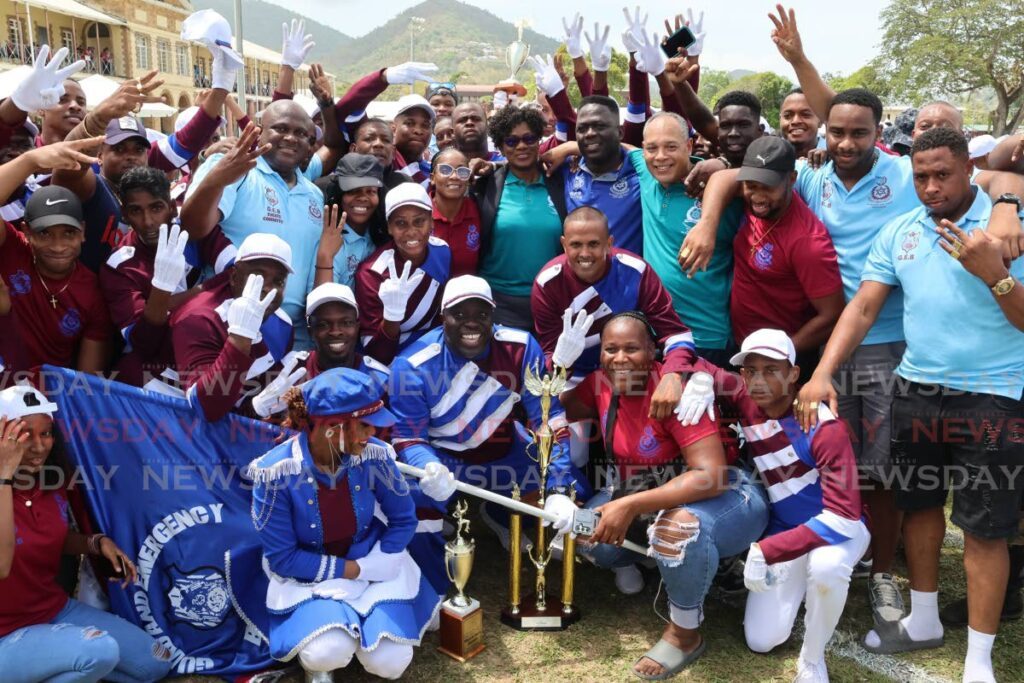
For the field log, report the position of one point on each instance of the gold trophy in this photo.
(462, 620)
(515, 56)
(538, 612)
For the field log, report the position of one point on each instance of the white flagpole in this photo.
(518, 506)
(241, 51)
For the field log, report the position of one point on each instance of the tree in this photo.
(867, 77)
(712, 83)
(942, 48)
(769, 87)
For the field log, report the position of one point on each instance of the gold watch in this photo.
(1004, 286)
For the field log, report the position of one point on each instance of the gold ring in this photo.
(955, 254)
(685, 252)
(796, 401)
(814, 405)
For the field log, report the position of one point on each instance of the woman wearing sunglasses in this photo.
(521, 212)
(456, 216)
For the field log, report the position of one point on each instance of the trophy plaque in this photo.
(462, 620)
(539, 611)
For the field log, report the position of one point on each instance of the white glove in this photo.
(169, 266)
(697, 28)
(562, 506)
(396, 290)
(573, 339)
(268, 402)
(634, 27)
(224, 72)
(408, 73)
(340, 589)
(246, 313)
(698, 397)
(44, 86)
(295, 43)
(548, 80)
(378, 565)
(650, 59)
(500, 99)
(439, 482)
(573, 35)
(600, 50)
(758, 575)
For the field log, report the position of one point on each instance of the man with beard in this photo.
(333, 319)
(262, 190)
(470, 124)
(785, 274)
(469, 367)
(604, 178)
(799, 124)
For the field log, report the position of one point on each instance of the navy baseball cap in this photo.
(119, 130)
(343, 393)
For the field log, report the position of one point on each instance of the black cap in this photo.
(769, 160)
(53, 205)
(359, 170)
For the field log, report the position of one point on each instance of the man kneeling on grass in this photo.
(815, 533)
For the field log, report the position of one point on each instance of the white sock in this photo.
(923, 621)
(978, 663)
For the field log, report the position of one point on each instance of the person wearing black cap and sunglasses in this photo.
(346, 240)
(63, 319)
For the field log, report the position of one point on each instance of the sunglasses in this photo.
(447, 85)
(447, 170)
(528, 139)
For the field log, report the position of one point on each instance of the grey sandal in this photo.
(671, 659)
(895, 639)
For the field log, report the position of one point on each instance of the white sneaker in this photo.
(629, 580)
(811, 672)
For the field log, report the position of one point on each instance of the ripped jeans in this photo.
(82, 644)
(726, 525)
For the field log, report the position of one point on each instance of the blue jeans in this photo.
(727, 525)
(82, 644)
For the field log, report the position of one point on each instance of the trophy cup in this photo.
(538, 612)
(515, 56)
(462, 620)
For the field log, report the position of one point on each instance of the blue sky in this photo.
(838, 37)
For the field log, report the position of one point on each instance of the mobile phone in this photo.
(683, 38)
(584, 522)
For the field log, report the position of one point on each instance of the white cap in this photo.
(262, 245)
(328, 292)
(213, 31)
(465, 287)
(18, 401)
(407, 102)
(768, 343)
(406, 194)
(981, 145)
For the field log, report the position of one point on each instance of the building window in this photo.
(163, 56)
(182, 53)
(67, 39)
(141, 51)
(14, 31)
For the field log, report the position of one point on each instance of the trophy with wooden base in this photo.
(462, 620)
(516, 55)
(539, 611)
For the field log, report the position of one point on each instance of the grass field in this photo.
(615, 630)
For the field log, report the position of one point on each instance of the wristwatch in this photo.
(1004, 286)
(7, 482)
(1008, 198)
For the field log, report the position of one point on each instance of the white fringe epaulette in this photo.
(381, 452)
(285, 467)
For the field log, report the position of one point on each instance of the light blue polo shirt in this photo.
(669, 214)
(355, 249)
(855, 217)
(263, 202)
(957, 335)
(315, 168)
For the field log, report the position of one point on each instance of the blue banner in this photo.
(169, 488)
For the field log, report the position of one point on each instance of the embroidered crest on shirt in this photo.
(271, 196)
(576, 191)
(881, 192)
(71, 323)
(473, 237)
(314, 210)
(826, 193)
(648, 444)
(619, 189)
(21, 282)
(763, 256)
(693, 215)
(910, 242)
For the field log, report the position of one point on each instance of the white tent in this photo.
(98, 88)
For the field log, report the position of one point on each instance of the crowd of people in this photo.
(383, 288)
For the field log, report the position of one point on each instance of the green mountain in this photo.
(261, 24)
(467, 44)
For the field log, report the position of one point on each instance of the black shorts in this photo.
(972, 444)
